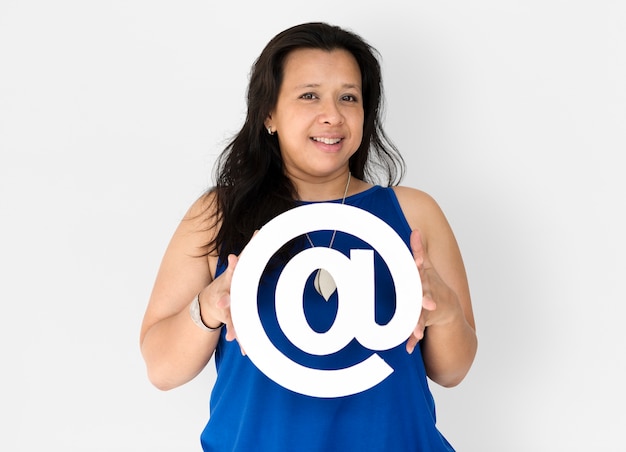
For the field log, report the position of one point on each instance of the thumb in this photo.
(225, 281)
(230, 269)
(417, 248)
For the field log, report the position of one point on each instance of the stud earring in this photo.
(269, 130)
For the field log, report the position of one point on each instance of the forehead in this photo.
(317, 65)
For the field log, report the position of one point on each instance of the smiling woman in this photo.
(318, 117)
(312, 134)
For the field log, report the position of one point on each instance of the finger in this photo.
(224, 282)
(411, 343)
(417, 335)
(232, 263)
(417, 248)
(224, 301)
(231, 335)
(420, 251)
(428, 303)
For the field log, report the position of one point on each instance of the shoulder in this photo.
(198, 222)
(410, 194)
(195, 234)
(421, 210)
(416, 204)
(201, 213)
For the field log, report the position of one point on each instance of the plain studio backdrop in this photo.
(511, 114)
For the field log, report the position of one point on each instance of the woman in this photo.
(312, 133)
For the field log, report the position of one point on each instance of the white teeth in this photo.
(327, 140)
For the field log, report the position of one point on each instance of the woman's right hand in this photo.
(215, 300)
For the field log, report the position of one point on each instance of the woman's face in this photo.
(318, 116)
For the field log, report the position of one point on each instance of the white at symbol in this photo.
(355, 312)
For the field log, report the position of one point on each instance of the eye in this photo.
(308, 96)
(349, 98)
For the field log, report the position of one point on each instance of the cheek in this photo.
(288, 147)
(358, 122)
(358, 129)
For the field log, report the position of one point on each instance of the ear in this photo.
(268, 125)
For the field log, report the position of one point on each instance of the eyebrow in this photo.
(317, 85)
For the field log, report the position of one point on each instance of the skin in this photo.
(318, 119)
(319, 99)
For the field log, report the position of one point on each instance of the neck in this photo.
(322, 189)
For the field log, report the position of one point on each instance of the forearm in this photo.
(176, 350)
(448, 351)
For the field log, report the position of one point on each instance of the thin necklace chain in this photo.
(343, 200)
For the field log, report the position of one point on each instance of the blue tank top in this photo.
(250, 412)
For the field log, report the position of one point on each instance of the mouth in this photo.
(326, 140)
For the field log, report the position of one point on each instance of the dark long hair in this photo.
(251, 185)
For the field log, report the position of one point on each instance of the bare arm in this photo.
(175, 350)
(446, 326)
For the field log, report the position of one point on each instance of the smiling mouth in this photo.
(326, 140)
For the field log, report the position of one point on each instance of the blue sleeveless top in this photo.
(250, 412)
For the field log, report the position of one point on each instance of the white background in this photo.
(511, 114)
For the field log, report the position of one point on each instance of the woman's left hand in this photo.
(440, 304)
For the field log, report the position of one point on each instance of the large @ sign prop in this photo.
(354, 276)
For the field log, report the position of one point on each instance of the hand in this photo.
(220, 289)
(216, 299)
(440, 305)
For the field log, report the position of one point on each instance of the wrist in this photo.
(196, 316)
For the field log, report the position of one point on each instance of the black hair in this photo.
(251, 186)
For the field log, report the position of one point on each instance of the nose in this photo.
(330, 113)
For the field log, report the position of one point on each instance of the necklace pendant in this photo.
(324, 284)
